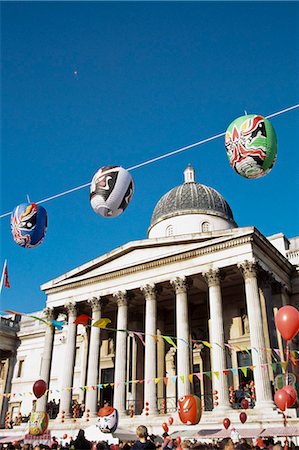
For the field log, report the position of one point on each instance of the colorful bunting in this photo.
(169, 340)
(101, 323)
(83, 319)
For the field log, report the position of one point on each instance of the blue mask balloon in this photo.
(29, 223)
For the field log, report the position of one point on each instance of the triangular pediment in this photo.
(143, 251)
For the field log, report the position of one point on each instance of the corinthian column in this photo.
(182, 329)
(150, 355)
(119, 400)
(93, 359)
(69, 361)
(258, 351)
(46, 358)
(218, 360)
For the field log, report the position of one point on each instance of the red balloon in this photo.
(292, 393)
(64, 436)
(282, 399)
(178, 440)
(226, 423)
(243, 417)
(39, 388)
(244, 403)
(170, 420)
(287, 322)
(165, 427)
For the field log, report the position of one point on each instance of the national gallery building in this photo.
(191, 310)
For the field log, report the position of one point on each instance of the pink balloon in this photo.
(292, 393)
(282, 399)
(39, 388)
(287, 322)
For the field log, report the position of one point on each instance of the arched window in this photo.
(205, 226)
(169, 230)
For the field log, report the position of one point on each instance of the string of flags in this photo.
(84, 319)
(167, 379)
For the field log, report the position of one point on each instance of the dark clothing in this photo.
(148, 445)
(81, 444)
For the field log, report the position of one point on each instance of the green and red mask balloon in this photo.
(251, 146)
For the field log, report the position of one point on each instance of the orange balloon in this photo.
(287, 322)
(226, 423)
(170, 420)
(165, 427)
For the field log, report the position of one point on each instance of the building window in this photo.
(169, 230)
(205, 226)
(20, 368)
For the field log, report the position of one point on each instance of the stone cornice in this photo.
(183, 256)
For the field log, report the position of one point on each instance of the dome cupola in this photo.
(190, 208)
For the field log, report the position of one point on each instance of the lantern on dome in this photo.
(111, 190)
(29, 223)
(251, 146)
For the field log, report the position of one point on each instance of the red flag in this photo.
(5, 279)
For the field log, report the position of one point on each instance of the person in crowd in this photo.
(81, 443)
(143, 442)
(226, 444)
(54, 443)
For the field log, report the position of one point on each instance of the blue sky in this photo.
(151, 77)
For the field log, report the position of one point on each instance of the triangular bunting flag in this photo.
(208, 374)
(198, 375)
(225, 372)
(182, 378)
(140, 335)
(234, 371)
(216, 374)
(206, 344)
(157, 380)
(169, 340)
(141, 381)
(173, 379)
(252, 367)
(284, 365)
(244, 371)
(190, 376)
(165, 379)
(274, 366)
(101, 323)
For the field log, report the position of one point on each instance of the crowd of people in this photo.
(145, 441)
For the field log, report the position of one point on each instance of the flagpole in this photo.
(2, 276)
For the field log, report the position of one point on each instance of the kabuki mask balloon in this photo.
(111, 190)
(189, 409)
(108, 419)
(251, 146)
(38, 423)
(29, 223)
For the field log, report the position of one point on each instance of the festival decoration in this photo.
(287, 322)
(244, 403)
(226, 423)
(291, 391)
(165, 427)
(39, 388)
(282, 399)
(251, 146)
(64, 436)
(38, 423)
(111, 190)
(108, 419)
(189, 409)
(178, 440)
(29, 223)
(243, 417)
(170, 420)
(82, 319)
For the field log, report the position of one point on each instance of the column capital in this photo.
(180, 284)
(212, 277)
(248, 269)
(95, 303)
(49, 313)
(71, 308)
(149, 291)
(121, 298)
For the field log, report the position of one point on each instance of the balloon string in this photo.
(158, 158)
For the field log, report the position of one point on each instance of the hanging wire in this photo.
(158, 158)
